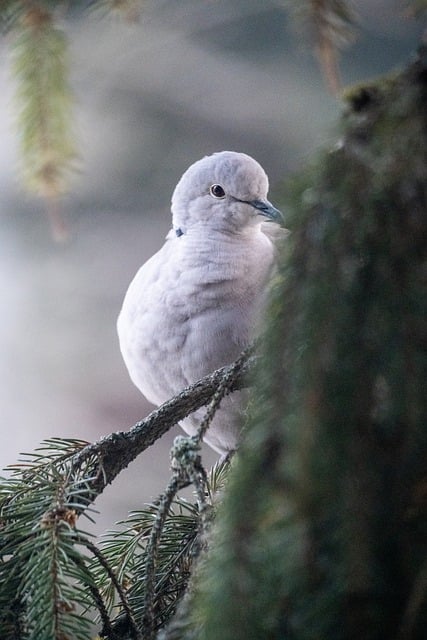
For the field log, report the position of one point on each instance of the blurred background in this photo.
(189, 78)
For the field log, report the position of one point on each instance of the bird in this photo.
(196, 303)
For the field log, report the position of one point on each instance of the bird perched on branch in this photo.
(194, 306)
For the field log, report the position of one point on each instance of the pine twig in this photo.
(123, 599)
(176, 483)
(224, 387)
(97, 598)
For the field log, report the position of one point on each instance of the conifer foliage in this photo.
(42, 572)
(43, 97)
(54, 577)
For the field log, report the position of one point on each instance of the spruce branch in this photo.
(109, 456)
(159, 565)
(107, 628)
(44, 104)
(40, 565)
(331, 25)
(155, 583)
(152, 550)
(43, 575)
(159, 597)
(187, 469)
(97, 599)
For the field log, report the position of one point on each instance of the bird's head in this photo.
(226, 191)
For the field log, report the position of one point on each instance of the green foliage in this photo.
(332, 471)
(44, 99)
(126, 553)
(42, 574)
(52, 574)
(44, 103)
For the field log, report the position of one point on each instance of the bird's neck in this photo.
(247, 247)
(211, 234)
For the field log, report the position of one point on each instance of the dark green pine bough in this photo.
(323, 532)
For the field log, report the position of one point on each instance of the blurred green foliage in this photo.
(323, 531)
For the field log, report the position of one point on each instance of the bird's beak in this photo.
(265, 208)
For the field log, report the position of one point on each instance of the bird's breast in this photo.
(190, 310)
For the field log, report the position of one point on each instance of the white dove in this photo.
(194, 306)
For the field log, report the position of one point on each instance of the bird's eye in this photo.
(217, 191)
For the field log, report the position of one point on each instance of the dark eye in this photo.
(217, 191)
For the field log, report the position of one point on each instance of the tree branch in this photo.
(106, 458)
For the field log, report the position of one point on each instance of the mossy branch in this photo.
(109, 456)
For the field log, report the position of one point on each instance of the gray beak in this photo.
(265, 208)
